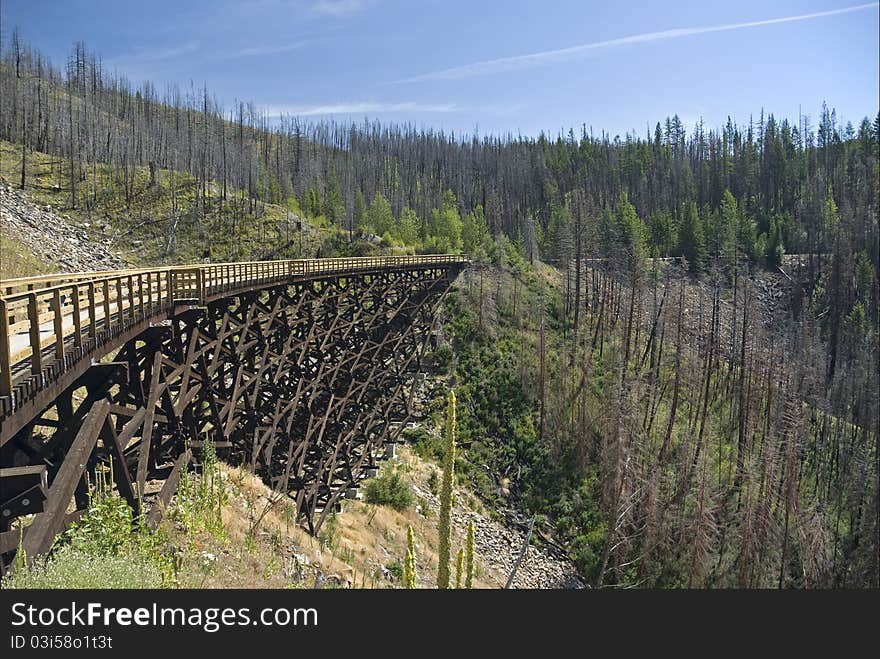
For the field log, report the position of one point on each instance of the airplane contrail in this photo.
(516, 62)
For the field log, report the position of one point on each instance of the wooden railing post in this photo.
(119, 316)
(131, 315)
(141, 310)
(93, 314)
(5, 357)
(34, 322)
(106, 289)
(200, 285)
(58, 325)
(77, 322)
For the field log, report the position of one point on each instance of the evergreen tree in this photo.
(632, 234)
(334, 207)
(693, 241)
(662, 232)
(359, 217)
(445, 225)
(726, 227)
(474, 232)
(381, 220)
(408, 226)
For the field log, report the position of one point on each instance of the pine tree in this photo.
(445, 226)
(408, 226)
(359, 219)
(693, 240)
(728, 222)
(474, 232)
(633, 234)
(445, 523)
(381, 220)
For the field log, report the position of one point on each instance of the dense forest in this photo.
(672, 426)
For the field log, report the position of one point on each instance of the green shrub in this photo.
(327, 535)
(106, 527)
(443, 356)
(70, 567)
(102, 550)
(389, 490)
(396, 570)
(200, 499)
(425, 445)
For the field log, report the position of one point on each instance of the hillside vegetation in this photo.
(667, 346)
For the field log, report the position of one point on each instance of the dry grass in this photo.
(358, 548)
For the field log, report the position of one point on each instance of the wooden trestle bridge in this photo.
(295, 368)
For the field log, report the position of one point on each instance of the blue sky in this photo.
(491, 67)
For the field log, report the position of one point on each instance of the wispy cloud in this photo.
(517, 62)
(338, 7)
(357, 108)
(268, 50)
(154, 54)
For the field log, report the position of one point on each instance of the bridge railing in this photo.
(57, 324)
(49, 322)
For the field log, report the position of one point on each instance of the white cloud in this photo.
(154, 54)
(517, 62)
(338, 7)
(268, 50)
(357, 108)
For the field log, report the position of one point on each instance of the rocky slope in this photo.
(52, 239)
(499, 546)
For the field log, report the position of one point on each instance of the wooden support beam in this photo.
(48, 524)
(147, 431)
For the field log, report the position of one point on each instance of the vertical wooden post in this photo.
(106, 290)
(119, 314)
(59, 325)
(77, 322)
(5, 357)
(131, 297)
(34, 322)
(93, 314)
(141, 309)
(150, 293)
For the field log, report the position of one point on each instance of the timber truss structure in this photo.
(296, 369)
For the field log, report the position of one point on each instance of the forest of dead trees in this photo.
(735, 444)
(727, 457)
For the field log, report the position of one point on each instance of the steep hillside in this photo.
(255, 544)
(34, 240)
(165, 218)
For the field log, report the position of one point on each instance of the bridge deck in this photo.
(52, 327)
